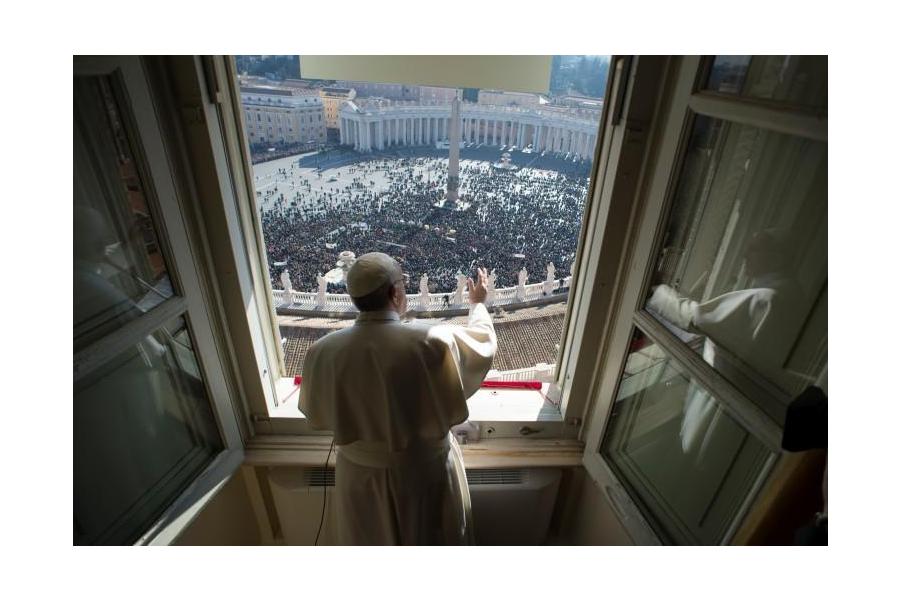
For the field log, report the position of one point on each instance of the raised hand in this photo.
(478, 292)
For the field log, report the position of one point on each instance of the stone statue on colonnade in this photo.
(424, 297)
(460, 288)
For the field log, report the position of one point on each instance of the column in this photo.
(341, 130)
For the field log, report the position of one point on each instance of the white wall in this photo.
(588, 519)
(228, 519)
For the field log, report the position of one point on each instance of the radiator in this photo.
(509, 506)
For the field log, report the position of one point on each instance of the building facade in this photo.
(391, 91)
(501, 98)
(421, 94)
(278, 117)
(373, 127)
(332, 99)
(431, 94)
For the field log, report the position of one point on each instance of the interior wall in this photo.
(228, 519)
(583, 517)
(587, 517)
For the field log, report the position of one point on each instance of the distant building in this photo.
(278, 117)
(421, 94)
(501, 98)
(391, 91)
(576, 101)
(429, 94)
(296, 87)
(332, 99)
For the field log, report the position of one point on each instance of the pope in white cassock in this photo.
(390, 391)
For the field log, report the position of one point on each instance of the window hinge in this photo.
(258, 418)
(213, 89)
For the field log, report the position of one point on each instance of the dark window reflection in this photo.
(797, 80)
(742, 275)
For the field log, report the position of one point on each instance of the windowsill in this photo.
(501, 453)
(486, 405)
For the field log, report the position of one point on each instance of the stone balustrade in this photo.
(436, 304)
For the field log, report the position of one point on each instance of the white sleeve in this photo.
(669, 305)
(472, 347)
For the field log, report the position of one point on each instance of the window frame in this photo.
(280, 418)
(686, 102)
(140, 121)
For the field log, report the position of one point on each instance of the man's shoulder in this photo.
(332, 338)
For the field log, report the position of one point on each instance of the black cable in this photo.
(324, 491)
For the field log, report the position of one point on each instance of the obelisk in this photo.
(453, 168)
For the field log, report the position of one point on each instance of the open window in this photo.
(723, 316)
(154, 427)
(339, 167)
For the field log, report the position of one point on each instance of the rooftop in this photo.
(525, 337)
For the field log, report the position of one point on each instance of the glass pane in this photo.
(143, 430)
(345, 167)
(119, 271)
(798, 80)
(742, 275)
(682, 457)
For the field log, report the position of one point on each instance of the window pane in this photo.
(119, 271)
(371, 172)
(143, 429)
(798, 80)
(742, 275)
(684, 460)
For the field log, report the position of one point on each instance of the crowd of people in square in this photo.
(505, 220)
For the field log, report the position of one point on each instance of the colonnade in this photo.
(378, 129)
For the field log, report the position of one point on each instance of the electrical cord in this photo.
(324, 492)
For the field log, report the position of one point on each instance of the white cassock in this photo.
(390, 391)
